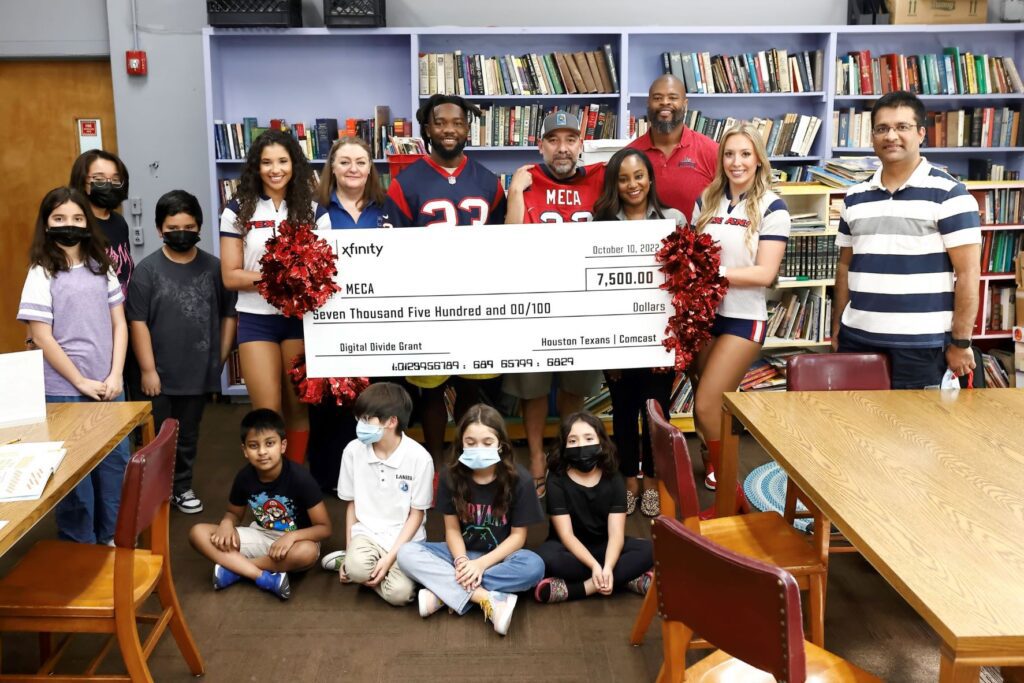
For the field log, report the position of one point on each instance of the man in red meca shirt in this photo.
(555, 191)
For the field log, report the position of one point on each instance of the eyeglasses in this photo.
(101, 182)
(881, 131)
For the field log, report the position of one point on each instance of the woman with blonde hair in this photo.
(350, 186)
(751, 224)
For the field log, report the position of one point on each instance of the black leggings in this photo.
(629, 403)
(637, 557)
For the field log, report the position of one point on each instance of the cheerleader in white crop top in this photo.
(751, 223)
(276, 184)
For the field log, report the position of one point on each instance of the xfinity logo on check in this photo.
(354, 249)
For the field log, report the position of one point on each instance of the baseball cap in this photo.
(557, 120)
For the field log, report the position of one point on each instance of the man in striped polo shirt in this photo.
(903, 236)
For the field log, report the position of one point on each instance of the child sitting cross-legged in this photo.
(290, 516)
(587, 551)
(387, 479)
(488, 502)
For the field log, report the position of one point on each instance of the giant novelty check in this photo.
(492, 299)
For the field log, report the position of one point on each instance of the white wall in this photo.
(53, 28)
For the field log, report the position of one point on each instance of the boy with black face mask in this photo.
(182, 328)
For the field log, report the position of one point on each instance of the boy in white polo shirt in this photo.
(388, 480)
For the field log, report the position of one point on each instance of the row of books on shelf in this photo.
(999, 249)
(768, 373)
(234, 367)
(843, 172)
(1000, 206)
(998, 368)
(787, 135)
(520, 125)
(751, 72)
(553, 73)
(951, 73)
(796, 316)
(810, 257)
(971, 127)
(986, 169)
(680, 399)
(1002, 313)
(232, 140)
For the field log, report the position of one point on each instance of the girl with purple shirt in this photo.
(73, 304)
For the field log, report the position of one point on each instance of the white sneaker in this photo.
(429, 603)
(187, 502)
(500, 613)
(332, 561)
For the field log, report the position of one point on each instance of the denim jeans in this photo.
(88, 513)
(431, 566)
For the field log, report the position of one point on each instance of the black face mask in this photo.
(67, 235)
(583, 458)
(107, 197)
(181, 240)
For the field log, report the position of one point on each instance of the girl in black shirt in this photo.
(587, 551)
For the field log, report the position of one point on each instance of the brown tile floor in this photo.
(329, 632)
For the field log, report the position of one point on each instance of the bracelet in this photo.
(460, 557)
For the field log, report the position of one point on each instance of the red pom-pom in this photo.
(298, 270)
(314, 390)
(690, 262)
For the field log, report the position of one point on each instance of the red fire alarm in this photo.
(136, 62)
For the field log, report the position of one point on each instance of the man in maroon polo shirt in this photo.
(684, 160)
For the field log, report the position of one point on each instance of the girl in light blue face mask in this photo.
(488, 502)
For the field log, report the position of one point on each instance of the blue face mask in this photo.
(368, 433)
(479, 458)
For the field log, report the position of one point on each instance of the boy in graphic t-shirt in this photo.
(290, 516)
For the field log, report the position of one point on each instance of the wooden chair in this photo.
(765, 536)
(748, 608)
(63, 587)
(832, 372)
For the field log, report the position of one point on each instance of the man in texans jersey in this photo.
(556, 191)
(445, 187)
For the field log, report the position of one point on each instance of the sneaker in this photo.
(498, 609)
(332, 561)
(223, 577)
(551, 590)
(276, 583)
(650, 503)
(641, 584)
(429, 603)
(187, 502)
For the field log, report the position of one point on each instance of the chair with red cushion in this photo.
(765, 536)
(748, 608)
(63, 587)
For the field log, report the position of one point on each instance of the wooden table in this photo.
(929, 487)
(89, 432)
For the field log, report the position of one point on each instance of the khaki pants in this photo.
(361, 557)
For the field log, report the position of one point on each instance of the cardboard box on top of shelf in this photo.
(938, 11)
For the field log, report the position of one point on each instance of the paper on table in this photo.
(26, 467)
(24, 398)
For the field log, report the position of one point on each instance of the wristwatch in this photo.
(961, 343)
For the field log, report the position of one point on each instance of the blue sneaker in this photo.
(276, 583)
(222, 577)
